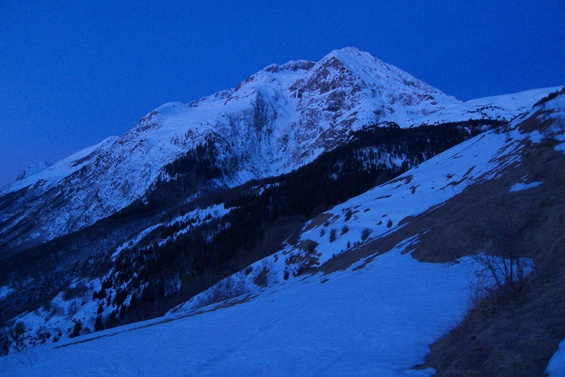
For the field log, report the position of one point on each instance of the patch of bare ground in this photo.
(516, 332)
(318, 220)
(512, 332)
(404, 180)
(367, 251)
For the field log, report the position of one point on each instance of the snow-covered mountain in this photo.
(360, 290)
(163, 216)
(277, 120)
(33, 169)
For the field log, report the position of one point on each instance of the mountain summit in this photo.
(33, 169)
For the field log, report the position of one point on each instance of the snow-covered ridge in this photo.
(33, 169)
(51, 175)
(503, 107)
(375, 71)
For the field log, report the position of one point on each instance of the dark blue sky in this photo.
(75, 72)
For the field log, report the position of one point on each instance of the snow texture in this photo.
(377, 320)
(5, 291)
(33, 169)
(524, 186)
(556, 366)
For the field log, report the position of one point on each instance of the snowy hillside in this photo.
(383, 209)
(333, 217)
(337, 301)
(375, 321)
(300, 325)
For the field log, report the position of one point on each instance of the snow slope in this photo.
(49, 176)
(556, 366)
(504, 107)
(33, 169)
(374, 321)
(359, 220)
(376, 317)
(379, 211)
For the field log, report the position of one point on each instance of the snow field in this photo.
(5, 291)
(556, 366)
(524, 186)
(435, 181)
(378, 320)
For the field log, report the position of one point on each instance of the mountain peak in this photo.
(347, 52)
(376, 72)
(293, 65)
(353, 57)
(33, 169)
